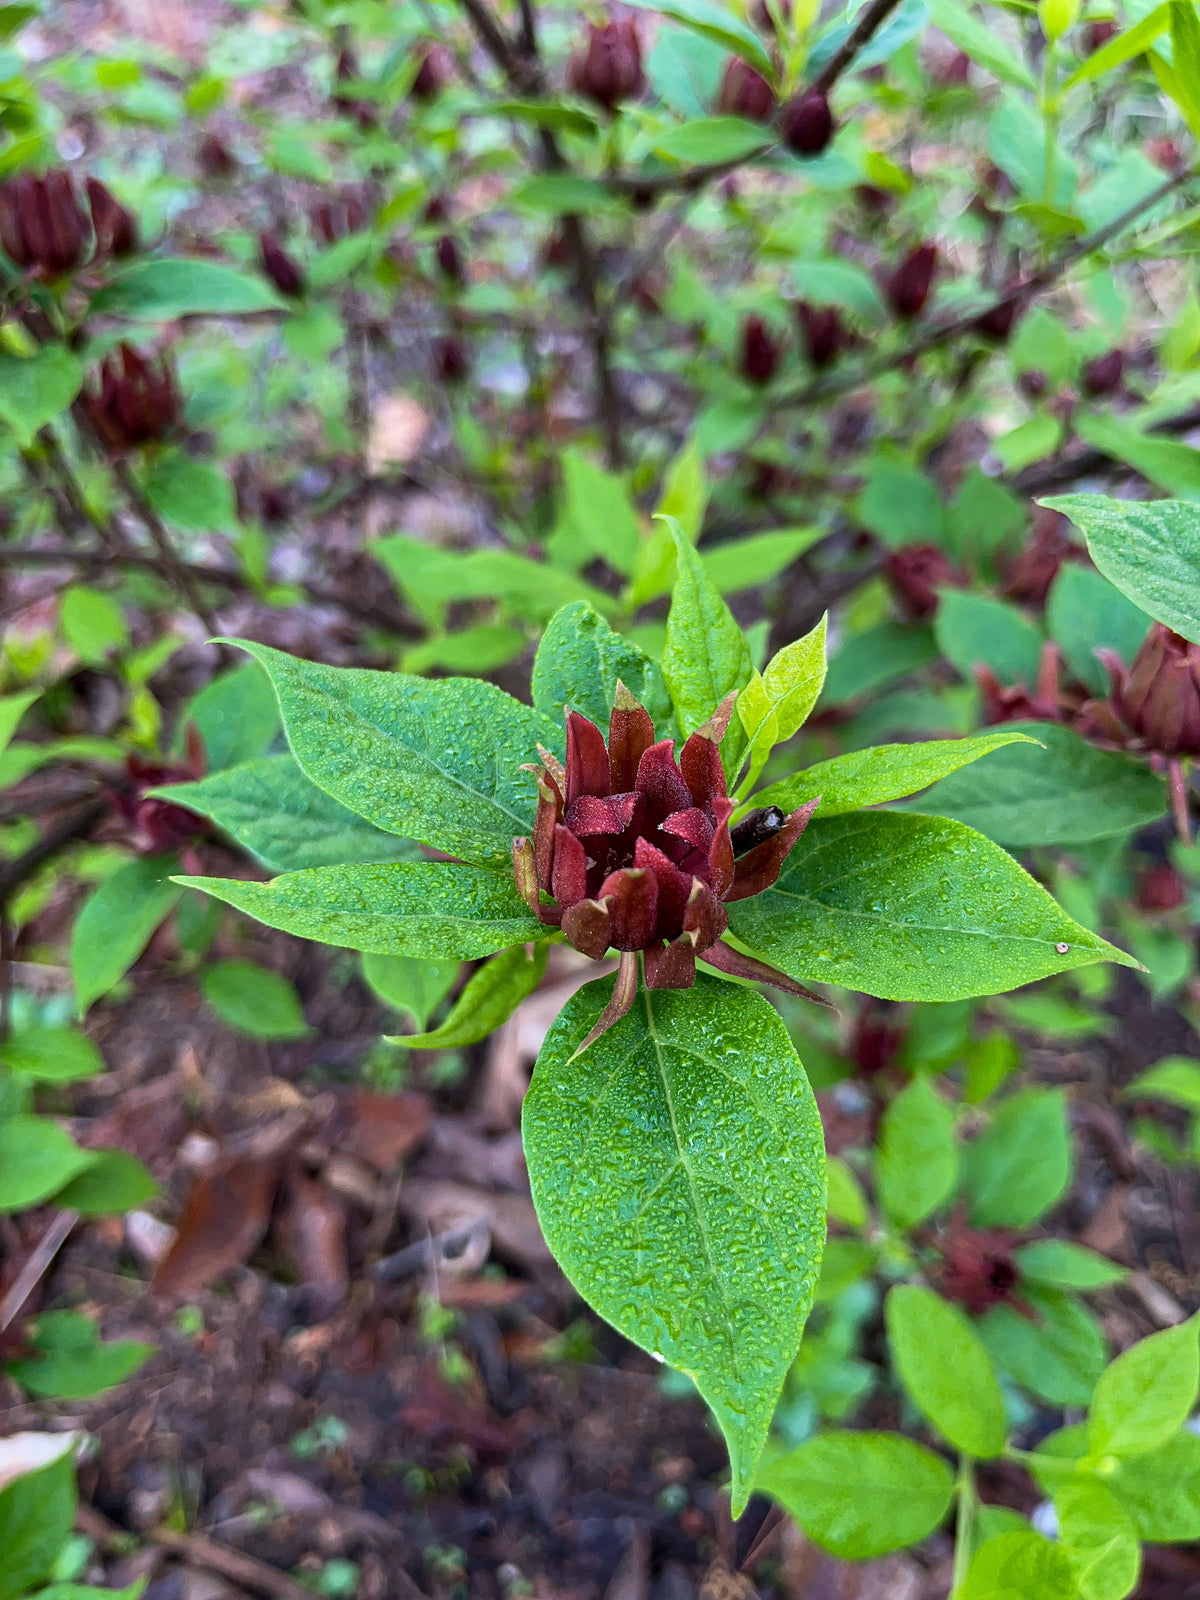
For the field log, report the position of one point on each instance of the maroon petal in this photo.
(736, 965)
(589, 814)
(691, 825)
(568, 877)
(549, 813)
(705, 918)
(624, 992)
(632, 897)
(588, 926)
(556, 773)
(659, 780)
(758, 868)
(587, 758)
(721, 866)
(700, 764)
(717, 725)
(673, 887)
(671, 966)
(630, 735)
(625, 806)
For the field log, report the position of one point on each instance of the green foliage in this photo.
(71, 1360)
(945, 1370)
(116, 922)
(1146, 1395)
(1020, 1165)
(1151, 552)
(489, 998)
(36, 1514)
(917, 1165)
(579, 663)
(254, 1000)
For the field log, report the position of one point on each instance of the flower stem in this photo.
(964, 1526)
(1179, 800)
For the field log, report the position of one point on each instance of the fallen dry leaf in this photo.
(226, 1215)
(312, 1229)
(398, 427)
(380, 1129)
(436, 1411)
(438, 1207)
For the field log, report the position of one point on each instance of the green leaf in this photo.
(1150, 550)
(838, 283)
(1161, 1490)
(1175, 1079)
(860, 1495)
(410, 984)
(254, 1000)
(1168, 463)
(900, 504)
(875, 657)
(36, 1515)
(432, 579)
(1132, 42)
(12, 708)
(685, 491)
(722, 26)
(775, 704)
(1084, 612)
(706, 656)
(973, 630)
(1063, 1265)
(115, 1181)
(436, 761)
(748, 563)
(1146, 1395)
(93, 623)
(34, 390)
(431, 909)
(191, 494)
(884, 772)
(645, 1154)
(52, 1055)
(36, 1159)
(1019, 1566)
(599, 518)
(1067, 792)
(844, 1198)
(481, 649)
(916, 1168)
(970, 36)
(273, 811)
(490, 997)
(1020, 1165)
(579, 663)
(237, 715)
(945, 1370)
(115, 923)
(1057, 1353)
(911, 908)
(72, 1359)
(564, 194)
(161, 288)
(1100, 1540)
(708, 141)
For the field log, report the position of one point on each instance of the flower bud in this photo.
(556, 249)
(1029, 577)
(1097, 34)
(338, 215)
(1165, 153)
(608, 66)
(285, 273)
(433, 74)
(451, 359)
(761, 351)
(872, 198)
(1161, 888)
(158, 825)
(807, 124)
(137, 401)
(449, 259)
(1034, 384)
(745, 93)
(42, 226)
(215, 159)
(1158, 699)
(876, 1038)
(997, 322)
(761, 17)
(1103, 375)
(907, 290)
(823, 331)
(915, 574)
(115, 229)
(978, 1269)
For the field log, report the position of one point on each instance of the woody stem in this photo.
(1179, 800)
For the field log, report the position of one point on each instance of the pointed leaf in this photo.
(1150, 550)
(945, 1369)
(410, 984)
(432, 909)
(648, 1154)
(36, 1159)
(917, 1165)
(1100, 1539)
(579, 663)
(1020, 1165)
(911, 908)
(438, 761)
(115, 924)
(12, 708)
(254, 1000)
(1019, 1566)
(490, 997)
(775, 704)
(1147, 1394)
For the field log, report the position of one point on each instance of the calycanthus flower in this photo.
(633, 850)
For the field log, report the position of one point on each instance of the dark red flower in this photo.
(978, 1267)
(1161, 889)
(825, 334)
(877, 1037)
(1029, 577)
(159, 824)
(336, 216)
(115, 228)
(215, 158)
(42, 225)
(1097, 34)
(807, 124)
(137, 401)
(608, 66)
(915, 574)
(745, 92)
(1158, 699)
(285, 273)
(997, 322)
(449, 258)
(634, 848)
(433, 74)
(907, 290)
(1103, 375)
(451, 359)
(761, 351)
(1017, 702)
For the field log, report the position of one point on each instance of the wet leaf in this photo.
(226, 1215)
(491, 995)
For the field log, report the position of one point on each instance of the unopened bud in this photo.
(114, 228)
(915, 574)
(908, 288)
(42, 226)
(1161, 889)
(823, 331)
(760, 351)
(1165, 153)
(1103, 375)
(807, 124)
(451, 359)
(216, 160)
(997, 322)
(136, 402)
(1097, 34)
(1159, 697)
(608, 66)
(449, 259)
(745, 92)
(433, 74)
(285, 273)
(1029, 577)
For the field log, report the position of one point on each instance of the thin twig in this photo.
(1179, 800)
(73, 826)
(168, 555)
(1068, 468)
(860, 35)
(38, 1264)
